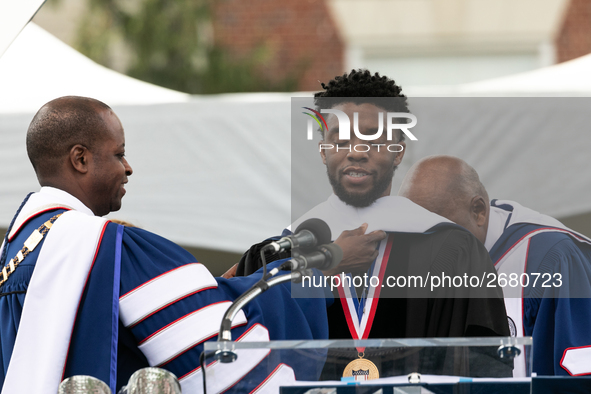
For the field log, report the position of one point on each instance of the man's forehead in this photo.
(361, 108)
(113, 125)
(366, 113)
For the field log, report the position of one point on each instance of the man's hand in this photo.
(359, 249)
(231, 273)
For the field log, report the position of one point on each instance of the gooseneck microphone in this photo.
(324, 258)
(306, 238)
(310, 233)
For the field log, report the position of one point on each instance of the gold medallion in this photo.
(361, 369)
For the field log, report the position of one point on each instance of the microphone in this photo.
(308, 234)
(324, 258)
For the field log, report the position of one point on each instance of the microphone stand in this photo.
(226, 353)
(331, 253)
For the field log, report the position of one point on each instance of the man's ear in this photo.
(322, 153)
(478, 210)
(400, 155)
(79, 158)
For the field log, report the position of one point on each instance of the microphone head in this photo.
(319, 228)
(336, 255)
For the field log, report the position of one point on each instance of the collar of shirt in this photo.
(389, 213)
(66, 198)
(497, 219)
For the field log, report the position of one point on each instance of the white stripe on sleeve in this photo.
(283, 375)
(163, 290)
(577, 361)
(186, 332)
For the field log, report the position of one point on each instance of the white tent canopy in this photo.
(38, 67)
(215, 171)
(13, 16)
(568, 79)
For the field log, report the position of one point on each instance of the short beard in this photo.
(362, 200)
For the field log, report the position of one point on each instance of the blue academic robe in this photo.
(558, 314)
(129, 259)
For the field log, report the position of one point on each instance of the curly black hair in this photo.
(359, 87)
(361, 84)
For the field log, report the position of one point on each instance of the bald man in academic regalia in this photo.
(552, 263)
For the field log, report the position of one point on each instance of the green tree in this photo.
(170, 43)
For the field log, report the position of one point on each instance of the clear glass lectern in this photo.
(275, 366)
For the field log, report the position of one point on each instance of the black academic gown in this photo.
(479, 313)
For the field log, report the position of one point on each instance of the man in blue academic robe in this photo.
(544, 267)
(81, 295)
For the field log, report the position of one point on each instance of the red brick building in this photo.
(294, 38)
(574, 36)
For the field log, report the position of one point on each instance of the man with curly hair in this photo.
(404, 240)
(367, 95)
(417, 242)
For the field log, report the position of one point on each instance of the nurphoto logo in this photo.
(402, 121)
